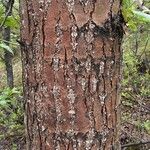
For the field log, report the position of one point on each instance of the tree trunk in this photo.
(8, 55)
(72, 70)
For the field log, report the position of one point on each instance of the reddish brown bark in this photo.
(71, 59)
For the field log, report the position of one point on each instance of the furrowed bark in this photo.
(72, 71)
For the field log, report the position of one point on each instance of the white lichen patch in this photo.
(72, 112)
(90, 139)
(44, 90)
(74, 141)
(83, 83)
(56, 63)
(74, 34)
(79, 141)
(89, 37)
(90, 47)
(101, 68)
(47, 4)
(94, 83)
(71, 96)
(57, 146)
(59, 34)
(43, 128)
(105, 133)
(88, 64)
(56, 93)
(91, 116)
(102, 98)
(70, 5)
(71, 100)
(91, 25)
(76, 67)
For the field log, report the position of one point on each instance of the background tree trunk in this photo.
(71, 70)
(8, 55)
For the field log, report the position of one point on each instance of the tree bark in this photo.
(72, 70)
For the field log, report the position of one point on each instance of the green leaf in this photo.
(1, 10)
(6, 47)
(142, 16)
(11, 22)
(131, 24)
(3, 102)
(127, 3)
(147, 125)
(132, 16)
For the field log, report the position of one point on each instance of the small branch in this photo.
(134, 144)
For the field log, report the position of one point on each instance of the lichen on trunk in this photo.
(72, 71)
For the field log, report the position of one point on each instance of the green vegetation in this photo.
(11, 116)
(134, 16)
(136, 87)
(11, 100)
(14, 23)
